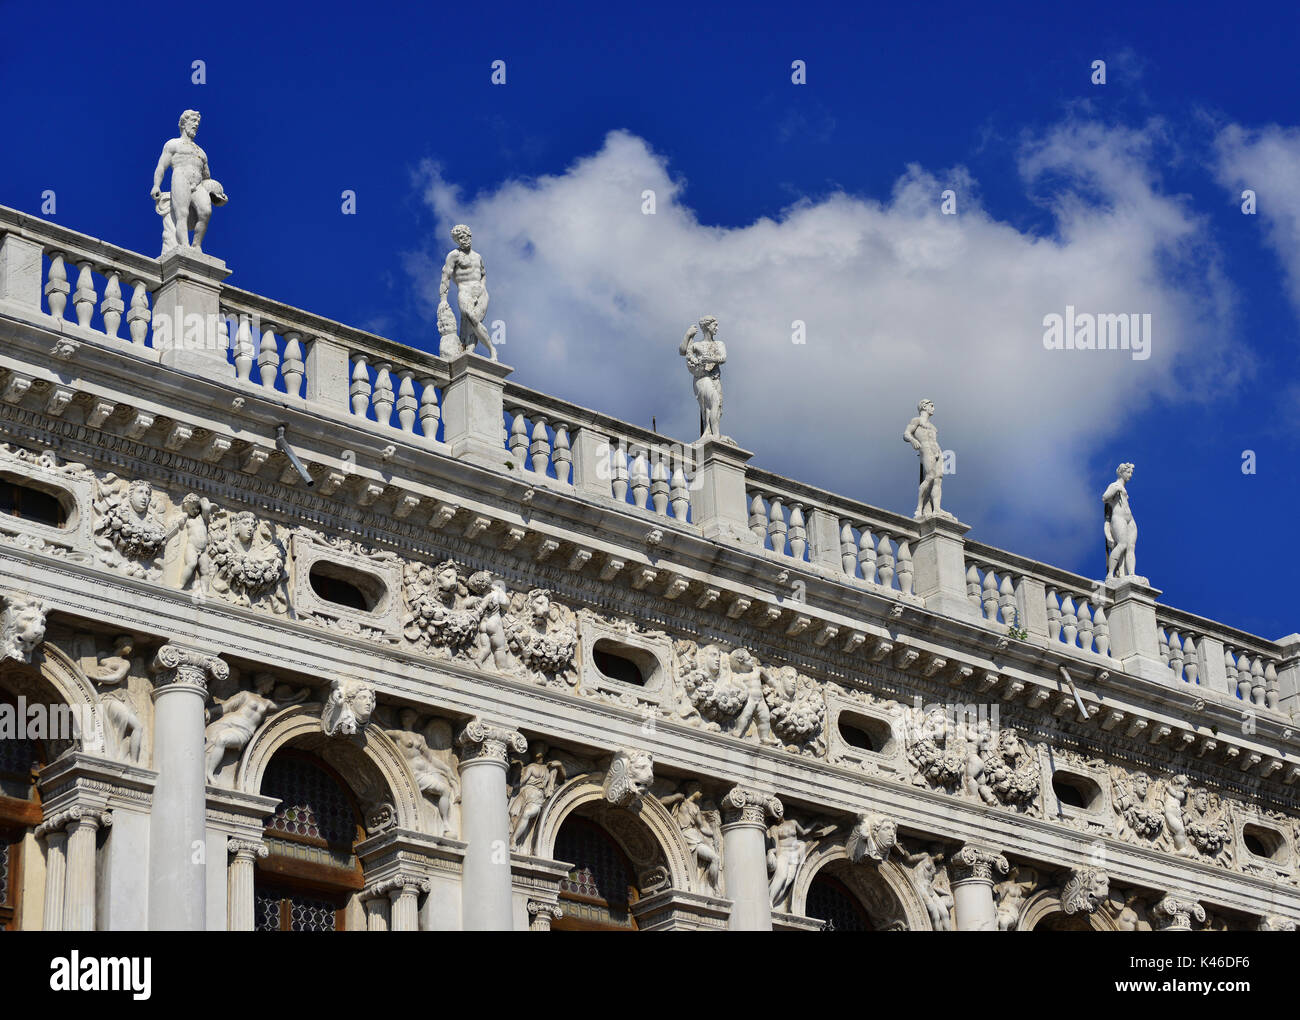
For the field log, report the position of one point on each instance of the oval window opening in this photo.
(866, 734)
(331, 587)
(28, 504)
(1074, 791)
(617, 661)
(1261, 842)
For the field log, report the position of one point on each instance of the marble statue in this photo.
(1011, 893)
(704, 359)
(198, 519)
(490, 603)
(241, 714)
(697, 832)
(189, 203)
(747, 672)
(924, 437)
(1175, 799)
(435, 778)
(465, 266)
(925, 873)
(1121, 530)
(124, 729)
(788, 852)
(537, 781)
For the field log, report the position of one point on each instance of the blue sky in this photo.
(775, 202)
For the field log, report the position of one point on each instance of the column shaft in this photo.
(56, 870)
(79, 900)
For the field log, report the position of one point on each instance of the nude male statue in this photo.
(1121, 530)
(465, 266)
(193, 193)
(924, 437)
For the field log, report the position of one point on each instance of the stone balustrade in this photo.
(1225, 661)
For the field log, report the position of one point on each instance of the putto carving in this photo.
(244, 561)
(1084, 890)
(240, 716)
(197, 513)
(538, 779)
(188, 205)
(129, 529)
(22, 628)
(428, 755)
(348, 709)
(704, 360)
(871, 838)
(699, 824)
(629, 777)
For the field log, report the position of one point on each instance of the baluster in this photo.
(618, 473)
(562, 456)
(904, 567)
(83, 298)
(1162, 639)
(1271, 693)
(798, 532)
(1243, 677)
(430, 412)
(1176, 654)
(360, 388)
(293, 369)
(244, 348)
(990, 594)
(519, 438)
(1230, 667)
(640, 477)
(1101, 631)
(268, 357)
(540, 449)
(848, 549)
(679, 493)
(973, 585)
(56, 286)
(111, 308)
(1084, 617)
(1007, 600)
(1257, 686)
(1053, 615)
(885, 561)
(776, 526)
(137, 319)
(406, 402)
(382, 397)
(659, 484)
(1069, 620)
(867, 555)
(758, 517)
(223, 330)
(1191, 666)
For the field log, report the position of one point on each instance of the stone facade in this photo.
(500, 624)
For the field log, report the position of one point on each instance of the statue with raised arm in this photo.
(1121, 529)
(241, 714)
(465, 266)
(705, 358)
(924, 437)
(189, 203)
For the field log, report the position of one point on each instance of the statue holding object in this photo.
(465, 266)
(705, 358)
(189, 203)
(1120, 528)
(924, 437)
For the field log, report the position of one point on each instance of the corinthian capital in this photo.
(480, 740)
(178, 667)
(976, 864)
(742, 806)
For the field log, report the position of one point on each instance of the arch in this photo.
(866, 880)
(1047, 904)
(646, 831)
(369, 762)
(53, 671)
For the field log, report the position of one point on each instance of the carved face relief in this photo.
(23, 629)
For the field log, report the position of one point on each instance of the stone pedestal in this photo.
(186, 314)
(744, 848)
(679, 910)
(1288, 675)
(591, 467)
(20, 271)
(177, 847)
(537, 891)
(473, 411)
(971, 871)
(407, 867)
(328, 376)
(486, 888)
(939, 567)
(1134, 638)
(718, 504)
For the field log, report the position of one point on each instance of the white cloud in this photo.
(900, 302)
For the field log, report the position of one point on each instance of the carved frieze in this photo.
(129, 528)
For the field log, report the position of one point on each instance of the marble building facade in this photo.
(362, 637)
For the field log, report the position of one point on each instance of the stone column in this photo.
(378, 912)
(1176, 910)
(177, 874)
(718, 504)
(486, 885)
(939, 567)
(241, 913)
(186, 311)
(971, 871)
(1134, 640)
(56, 870)
(404, 894)
(79, 899)
(744, 852)
(473, 411)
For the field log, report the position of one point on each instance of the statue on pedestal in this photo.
(189, 203)
(465, 266)
(705, 358)
(1121, 530)
(924, 437)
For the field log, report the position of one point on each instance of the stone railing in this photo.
(467, 409)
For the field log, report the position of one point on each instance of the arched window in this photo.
(312, 870)
(832, 901)
(598, 892)
(20, 811)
